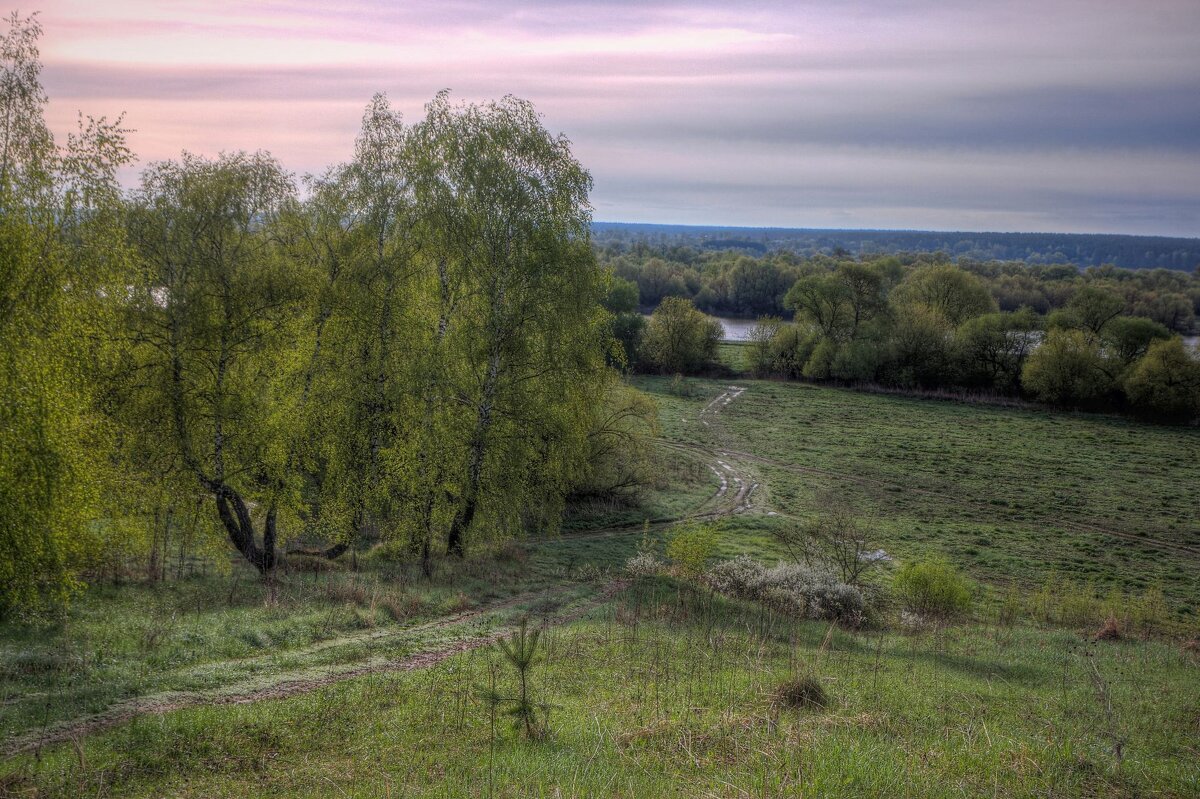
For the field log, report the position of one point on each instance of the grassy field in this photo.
(1012, 494)
(672, 694)
(370, 680)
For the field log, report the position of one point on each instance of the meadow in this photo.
(370, 682)
(1011, 494)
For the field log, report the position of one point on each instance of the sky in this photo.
(924, 114)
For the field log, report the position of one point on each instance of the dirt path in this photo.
(293, 683)
(735, 485)
(1181, 549)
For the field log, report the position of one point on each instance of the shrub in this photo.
(349, 592)
(1067, 369)
(738, 577)
(644, 564)
(679, 338)
(1165, 382)
(1011, 608)
(804, 691)
(814, 593)
(40, 661)
(522, 650)
(1150, 610)
(787, 588)
(933, 588)
(1078, 606)
(690, 548)
(402, 606)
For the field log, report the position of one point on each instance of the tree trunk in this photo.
(236, 518)
(456, 538)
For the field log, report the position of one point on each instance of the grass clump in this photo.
(802, 692)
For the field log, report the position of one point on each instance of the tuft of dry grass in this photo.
(802, 691)
(1111, 631)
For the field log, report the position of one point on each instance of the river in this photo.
(736, 329)
(739, 330)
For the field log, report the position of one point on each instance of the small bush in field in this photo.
(803, 691)
(817, 594)
(349, 592)
(402, 606)
(644, 564)
(933, 588)
(459, 603)
(690, 548)
(41, 661)
(738, 577)
(787, 588)
(1078, 605)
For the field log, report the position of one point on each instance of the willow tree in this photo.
(359, 228)
(518, 328)
(211, 321)
(61, 259)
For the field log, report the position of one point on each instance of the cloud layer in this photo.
(1072, 116)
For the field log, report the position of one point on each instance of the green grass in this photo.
(667, 691)
(1011, 494)
(671, 694)
(205, 633)
(733, 355)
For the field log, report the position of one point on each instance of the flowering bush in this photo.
(788, 588)
(644, 564)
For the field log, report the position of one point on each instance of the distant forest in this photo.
(1080, 249)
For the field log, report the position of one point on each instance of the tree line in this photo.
(409, 345)
(1072, 249)
(735, 283)
(939, 326)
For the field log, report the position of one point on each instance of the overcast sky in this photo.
(1000, 115)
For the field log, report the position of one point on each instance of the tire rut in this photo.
(1177, 548)
(298, 682)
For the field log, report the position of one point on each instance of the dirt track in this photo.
(293, 683)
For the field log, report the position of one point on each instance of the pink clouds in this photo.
(1068, 115)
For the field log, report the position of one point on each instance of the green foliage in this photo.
(1165, 383)
(992, 349)
(521, 651)
(679, 338)
(1129, 337)
(920, 348)
(915, 321)
(627, 331)
(622, 296)
(62, 261)
(690, 547)
(933, 588)
(1067, 369)
(207, 388)
(947, 291)
(618, 463)
(1092, 308)
(761, 358)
